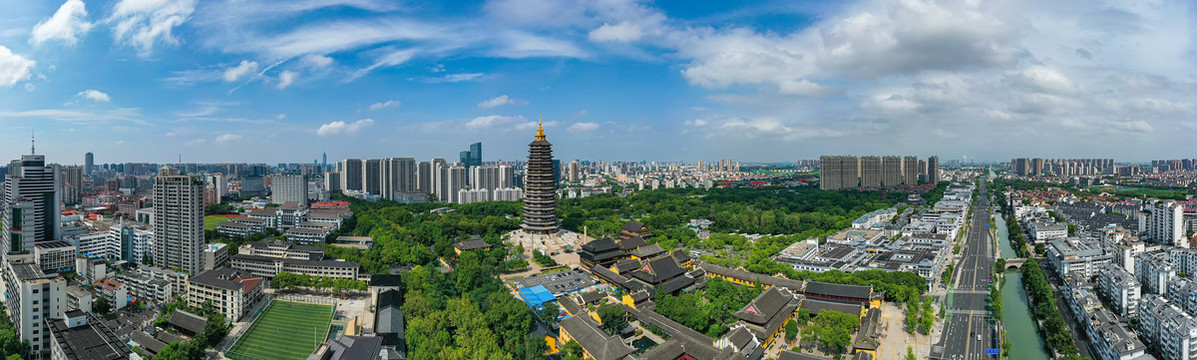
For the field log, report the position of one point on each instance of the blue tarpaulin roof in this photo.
(536, 296)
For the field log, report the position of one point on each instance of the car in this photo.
(978, 337)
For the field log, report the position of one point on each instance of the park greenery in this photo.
(214, 331)
(542, 259)
(1017, 239)
(707, 310)
(613, 318)
(290, 281)
(1057, 334)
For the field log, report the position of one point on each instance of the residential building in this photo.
(242, 227)
(1154, 272)
(1167, 328)
(933, 169)
(891, 171)
(54, 256)
(1080, 255)
(232, 292)
(282, 250)
(1162, 222)
(1044, 230)
(179, 221)
(31, 297)
(1120, 288)
(288, 188)
(146, 288)
(870, 171)
(78, 298)
(910, 170)
(116, 292)
(78, 335)
(1183, 293)
(351, 174)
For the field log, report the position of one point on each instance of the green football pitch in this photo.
(285, 331)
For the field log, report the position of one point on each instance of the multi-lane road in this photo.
(971, 330)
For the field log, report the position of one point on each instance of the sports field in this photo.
(285, 331)
(210, 221)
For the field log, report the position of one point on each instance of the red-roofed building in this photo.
(116, 293)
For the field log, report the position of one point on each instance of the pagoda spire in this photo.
(540, 128)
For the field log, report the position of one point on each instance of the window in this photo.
(34, 302)
(35, 291)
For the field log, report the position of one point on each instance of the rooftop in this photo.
(88, 340)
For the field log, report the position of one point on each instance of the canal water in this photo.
(1026, 344)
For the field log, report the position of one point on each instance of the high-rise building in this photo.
(450, 178)
(1162, 222)
(1020, 166)
(31, 204)
(351, 174)
(332, 182)
(575, 171)
(870, 172)
(288, 188)
(72, 185)
(372, 177)
(1036, 166)
(540, 188)
(910, 170)
(178, 221)
(398, 175)
(839, 172)
(89, 163)
(323, 161)
(424, 177)
(933, 169)
(891, 171)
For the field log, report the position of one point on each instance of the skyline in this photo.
(246, 81)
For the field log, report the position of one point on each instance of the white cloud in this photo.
(622, 32)
(486, 122)
(450, 78)
(582, 127)
(341, 127)
(245, 68)
(391, 58)
(498, 101)
(13, 68)
(94, 95)
(67, 24)
(227, 138)
(286, 78)
(195, 142)
(316, 61)
(695, 123)
(143, 24)
(384, 105)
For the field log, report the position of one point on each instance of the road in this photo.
(971, 295)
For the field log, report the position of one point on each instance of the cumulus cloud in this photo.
(227, 138)
(497, 101)
(13, 68)
(286, 78)
(67, 24)
(143, 24)
(94, 95)
(384, 105)
(246, 67)
(486, 122)
(582, 127)
(341, 127)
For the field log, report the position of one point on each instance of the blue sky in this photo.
(271, 81)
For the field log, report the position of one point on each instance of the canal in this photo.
(1016, 312)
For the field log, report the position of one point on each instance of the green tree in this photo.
(613, 317)
(803, 316)
(101, 305)
(910, 353)
(572, 348)
(791, 330)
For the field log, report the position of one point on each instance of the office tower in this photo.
(323, 161)
(464, 158)
(910, 170)
(1162, 222)
(424, 177)
(575, 171)
(288, 188)
(178, 221)
(351, 174)
(372, 177)
(31, 204)
(540, 188)
(72, 184)
(89, 163)
(557, 169)
(870, 172)
(933, 169)
(332, 181)
(891, 171)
